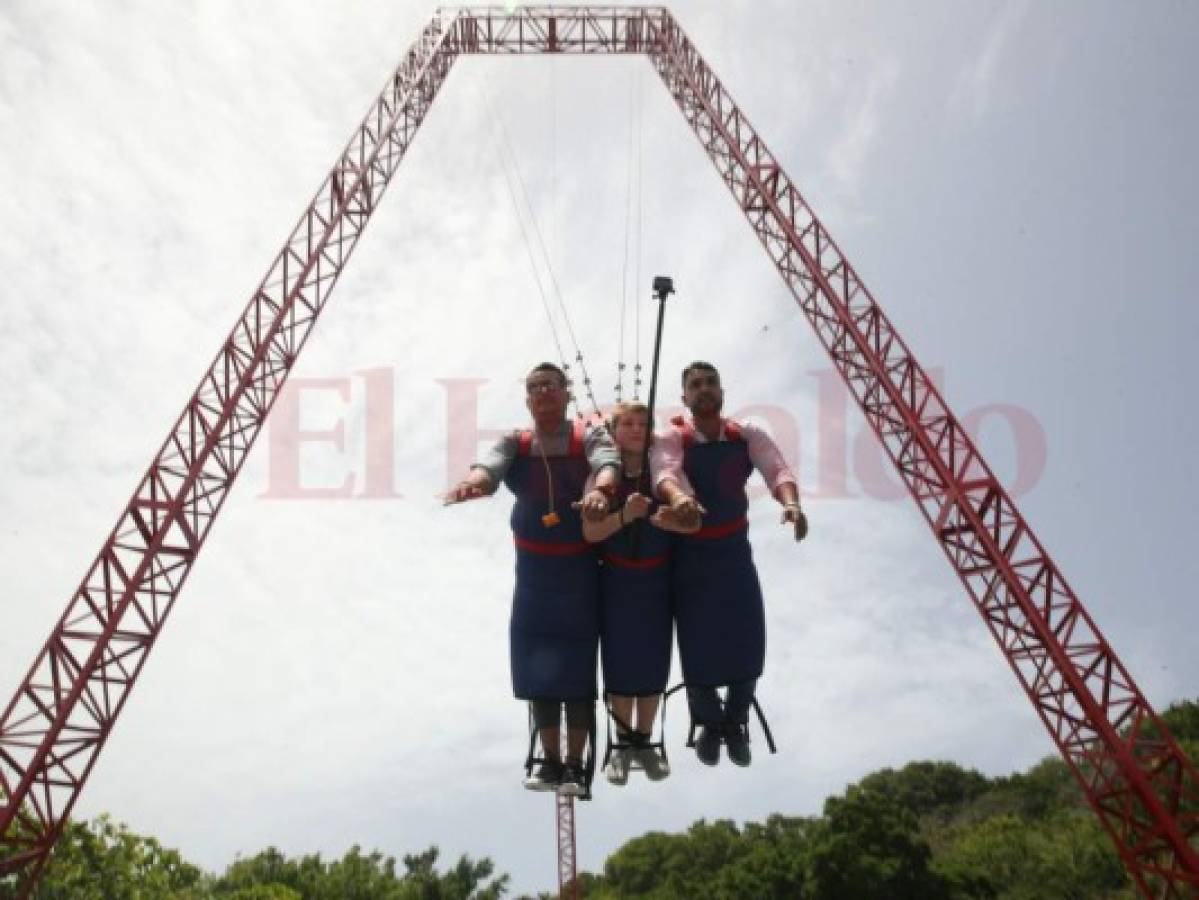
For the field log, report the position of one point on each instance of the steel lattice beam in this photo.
(568, 888)
(1143, 788)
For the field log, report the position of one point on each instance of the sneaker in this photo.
(574, 780)
(736, 739)
(545, 776)
(617, 770)
(654, 763)
(707, 745)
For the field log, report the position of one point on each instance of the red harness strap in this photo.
(712, 532)
(548, 548)
(732, 431)
(627, 562)
(578, 432)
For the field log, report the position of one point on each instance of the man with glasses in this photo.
(554, 629)
(700, 468)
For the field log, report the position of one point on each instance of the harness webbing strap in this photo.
(547, 548)
(626, 562)
(732, 431)
(714, 532)
(578, 432)
(766, 732)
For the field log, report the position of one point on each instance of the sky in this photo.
(1014, 182)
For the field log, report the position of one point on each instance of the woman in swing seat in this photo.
(635, 608)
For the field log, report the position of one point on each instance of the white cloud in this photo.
(976, 84)
(857, 137)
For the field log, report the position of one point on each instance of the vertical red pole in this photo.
(568, 888)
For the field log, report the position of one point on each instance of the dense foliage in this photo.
(928, 831)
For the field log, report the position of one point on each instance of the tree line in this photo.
(928, 831)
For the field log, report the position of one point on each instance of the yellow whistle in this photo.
(550, 519)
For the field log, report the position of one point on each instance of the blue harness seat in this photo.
(635, 610)
(554, 629)
(718, 608)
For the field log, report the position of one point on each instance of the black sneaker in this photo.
(707, 745)
(574, 780)
(545, 776)
(736, 739)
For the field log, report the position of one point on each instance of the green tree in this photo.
(465, 881)
(929, 788)
(106, 861)
(660, 866)
(1182, 719)
(868, 846)
(774, 864)
(1066, 856)
(362, 876)
(264, 892)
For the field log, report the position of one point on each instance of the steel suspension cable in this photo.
(637, 270)
(510, 161)
(624, 265)
(506, 165)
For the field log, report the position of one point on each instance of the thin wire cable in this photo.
(637, 276)
(506, 166)
(624, 264)
(510, 161)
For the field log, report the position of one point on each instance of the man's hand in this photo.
(793, 514)
(594, 505)
(461, 492)
(686, 510)
(636, 507)
(668, 520)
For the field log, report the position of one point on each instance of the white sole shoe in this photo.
(655, 767)
(617, 770)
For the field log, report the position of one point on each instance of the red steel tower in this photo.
(1142, 787)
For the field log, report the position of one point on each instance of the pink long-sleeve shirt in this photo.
(666, 457)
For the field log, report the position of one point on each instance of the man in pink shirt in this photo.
(700, 467)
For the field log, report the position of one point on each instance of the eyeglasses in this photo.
(543, 387)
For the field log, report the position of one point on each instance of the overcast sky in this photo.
(1014, 181)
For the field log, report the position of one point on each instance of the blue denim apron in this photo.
(718, 608)
(554, 629)
(636, 615)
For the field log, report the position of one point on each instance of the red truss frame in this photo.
(1137, 780)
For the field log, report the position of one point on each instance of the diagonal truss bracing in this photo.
(1143, 788)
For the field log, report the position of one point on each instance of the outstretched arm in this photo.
(768, 459)
(788, 495)
(485, 476)
(476, 484)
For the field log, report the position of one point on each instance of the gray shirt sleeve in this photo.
(600, 449)
(495, 461)
(597, 445)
